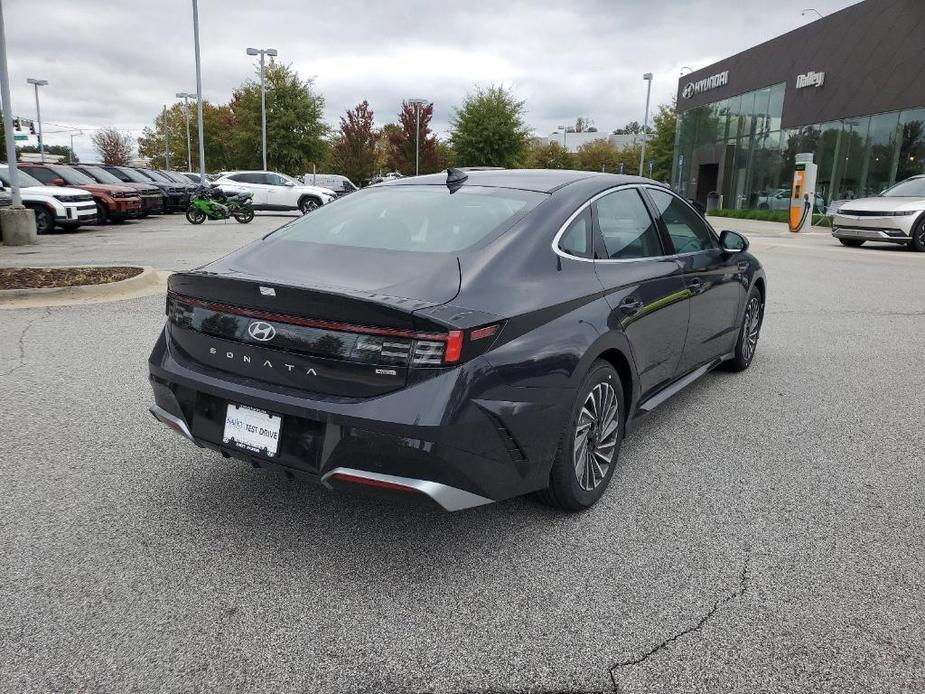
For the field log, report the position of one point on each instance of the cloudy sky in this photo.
(116, 62)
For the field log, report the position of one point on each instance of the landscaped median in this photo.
(45, 286)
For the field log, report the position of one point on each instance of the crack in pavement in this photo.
(738, 592)
(21, 343)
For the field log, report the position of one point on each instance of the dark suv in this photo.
(176, 198)
(152, 199)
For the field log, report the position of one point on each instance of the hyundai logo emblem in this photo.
(263, 332)
(688, 90)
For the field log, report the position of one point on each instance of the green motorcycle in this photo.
(213, 203)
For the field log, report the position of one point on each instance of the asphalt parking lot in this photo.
(763, 533)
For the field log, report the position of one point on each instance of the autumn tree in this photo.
(113, 146)
(402, 141)
(353, 153)
(489, 129)
(548, 155)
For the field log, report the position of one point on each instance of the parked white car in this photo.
(341, 185)
(53, 206)
(274, 191)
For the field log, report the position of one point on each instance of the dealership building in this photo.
(848, 88)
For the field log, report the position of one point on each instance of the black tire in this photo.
(309, 204)
(749, 333)
(575, 486)
(852, 243)
(194, 215)
(918, 238)
(245, 216)
(102, 214)
(44, 220)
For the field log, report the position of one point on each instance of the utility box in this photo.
(714, 201)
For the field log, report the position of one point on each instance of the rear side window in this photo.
(688, 232)
(413, 218)
(575, 239)
(626, 228)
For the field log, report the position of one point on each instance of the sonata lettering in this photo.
(266, 364)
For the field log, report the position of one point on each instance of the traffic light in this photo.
(16, 124)
(32, 127)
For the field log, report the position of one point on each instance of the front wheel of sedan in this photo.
(590, 445)
(748, 333)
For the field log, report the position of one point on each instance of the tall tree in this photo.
(598, 155)
(660, 145)
(354, 151)
(218, 122)
(489, 129)
(113, 146)
(295, 129)
(634, 127)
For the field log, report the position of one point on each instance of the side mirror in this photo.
(289, 184)
(733, 241)
(57, 181)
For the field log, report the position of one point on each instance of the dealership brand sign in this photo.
(810, 79)
(706, 84)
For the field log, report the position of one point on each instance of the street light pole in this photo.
(645, 121)
(38, 112)
(202, 147)
(186, 96)
(73, 135)
(8, 116)
(417, 132)
(166, 143)
(263, 95)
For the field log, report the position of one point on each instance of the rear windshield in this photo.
(413, 218)
(910, 188)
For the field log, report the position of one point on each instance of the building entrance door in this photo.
(707, 178)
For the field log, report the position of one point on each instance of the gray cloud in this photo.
(116, 62)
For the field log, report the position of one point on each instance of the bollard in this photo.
(17, 226)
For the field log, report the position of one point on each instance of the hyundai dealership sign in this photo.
(706, 84)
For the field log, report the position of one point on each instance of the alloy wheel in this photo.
(308, 205)
(752, 326)
(596, 436)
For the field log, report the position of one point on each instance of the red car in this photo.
(113, 203)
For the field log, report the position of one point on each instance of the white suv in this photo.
(53, 206)
(274, 191)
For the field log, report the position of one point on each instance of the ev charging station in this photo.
(802, 193)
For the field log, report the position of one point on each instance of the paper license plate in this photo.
(253, 430)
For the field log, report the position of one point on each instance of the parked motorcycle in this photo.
(213, 203)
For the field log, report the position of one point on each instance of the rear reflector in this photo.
(481, 333)
(381, 484)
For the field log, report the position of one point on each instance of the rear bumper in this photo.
(435, 438)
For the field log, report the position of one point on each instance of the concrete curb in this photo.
(146, 283)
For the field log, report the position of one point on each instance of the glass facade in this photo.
(737, 148)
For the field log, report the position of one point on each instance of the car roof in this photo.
(538, 180)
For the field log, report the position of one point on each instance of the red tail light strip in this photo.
(369, 482)
(454, 337)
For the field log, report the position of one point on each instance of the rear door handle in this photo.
(631, 305)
